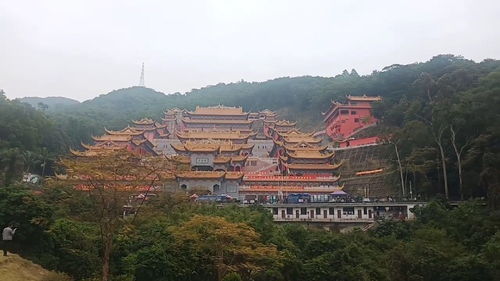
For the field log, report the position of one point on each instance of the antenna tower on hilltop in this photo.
(141, 80)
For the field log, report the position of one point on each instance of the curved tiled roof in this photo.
(144, 121)
(312, 166)
(311, 154)
(118, 138)
(216, 121)
(126, 131)
(218, 110)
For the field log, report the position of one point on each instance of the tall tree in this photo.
(110, 178)
(459, 149)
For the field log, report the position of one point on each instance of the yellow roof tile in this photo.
(312, 166)
(115, 138)
(218, 110)
(216, 121)
(144, 121)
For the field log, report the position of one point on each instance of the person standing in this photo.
(7, 235)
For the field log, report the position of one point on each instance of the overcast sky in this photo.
(80, 49)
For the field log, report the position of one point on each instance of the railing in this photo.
(278, 218)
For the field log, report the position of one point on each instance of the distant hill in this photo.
(53, 103)
(295, 98)
(15, 268)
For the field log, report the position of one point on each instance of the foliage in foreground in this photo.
(182, 241)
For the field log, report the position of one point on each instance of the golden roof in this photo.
(214, 135)
(201, 147)
(363, 98)
(247, 146)
(238, 158)
(293, 132)
(201, 174)
(159, 125)
(218, 110)
(117, 138)
(178, 146)
(303, 138)
(216, 121)
(305, 146)
(95, 150)
(126, 131)
(144, 121)
(210, 175)
(234, 175)
(222, 160)
(139, 142)
(108, 145)
(309, 154)
(293, 166)
(209, 146)
(285, 123)
(273, 178)
(182, 159)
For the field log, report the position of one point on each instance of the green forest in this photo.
(442, 116)
(176, 240)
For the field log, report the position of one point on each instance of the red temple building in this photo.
(343, 121)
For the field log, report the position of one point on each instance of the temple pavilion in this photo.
(213, 155)
(307, 159)
(136, 138)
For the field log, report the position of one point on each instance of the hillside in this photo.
(297, 98)
(15, 268)
(421, 103)
(52, 103)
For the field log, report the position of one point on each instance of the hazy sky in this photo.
(80, 49)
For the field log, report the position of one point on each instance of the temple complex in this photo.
(246, 155)
(344, 121)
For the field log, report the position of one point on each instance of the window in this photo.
(353, 112)
(348, 210)
(201, 160)
(364, 210)
(356, 120)
(318, 211)
(303, 211)
(331, 211)
(344, 112)
(289, 211)
(183, 186)
(232, 188)
(275, 211)
(216, 187)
